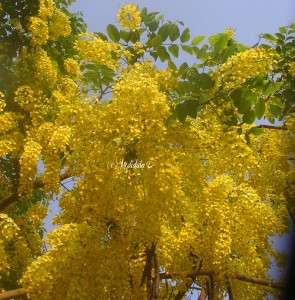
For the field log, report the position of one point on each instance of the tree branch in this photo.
(258, 281)
(272, 127)
(15, 197)
(203, 294)
(263, 282)
(12, 294)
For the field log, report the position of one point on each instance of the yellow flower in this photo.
(46, 8)
(39, 31)
(230, 33)
(95, 49)
(72, 67)
(129, 17)
(2, 102)
(59, 25)
(291, 68)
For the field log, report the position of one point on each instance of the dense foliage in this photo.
(173, 185)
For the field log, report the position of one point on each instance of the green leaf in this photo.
(272, 87)
(260, 108)
(271, 119)
(187, 49)
(185, 36)
(125, 35)
(198, 39)
(227, 52)
(174, 32)
(244, 106)
(172, 65)
(232, 122)
(249, 117)
(247, 138)
(221, 42)
(134, 36)
(269, 37)
(213, 39)
(205, 81)
(236, 96)
(275, 110)
(143, 13)
(192, 108)
(153, 25)
(256, 131)
(157, 41)
(282, 29)
(174, 50)
(242, 47)
(278, 102)
(113, 33)
(154, 55)
(281, 37)
(101, 36)
(181, 112)
(183, 68)
(163, 54)
(187, 108)
(164, 31)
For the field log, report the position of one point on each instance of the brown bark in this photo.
(263, 282)
(272, 127)
(203, 294)
(21, 293)
(15, 197)
(258, 281)
(12, 294)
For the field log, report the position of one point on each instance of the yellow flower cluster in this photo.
(51, 23)
(230, 33)
(7, 122)
(24, 96)
(20, 242)
(44, 70)
(8, 232)
(2, 101)
(95, 49)
(139, 47)
(72, 67)
(59, 25)
(60, 138)
(46, 9)
(68, 88)
(8, 228)
(202, 195)
(290, 68)
(39, 31)
(28, 161)
(129, 17)
(242, 66)
(166, 78)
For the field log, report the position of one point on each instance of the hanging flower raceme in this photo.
(45, 71)
(230, 33)
(59, 25)
(72, 67)
(46, 9)
(242, 66)
(129, 17)
(28, 162)
(39, 31)
(95, 49)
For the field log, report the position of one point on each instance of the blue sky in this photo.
(249, 18)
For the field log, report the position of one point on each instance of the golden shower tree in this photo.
(173, 187)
